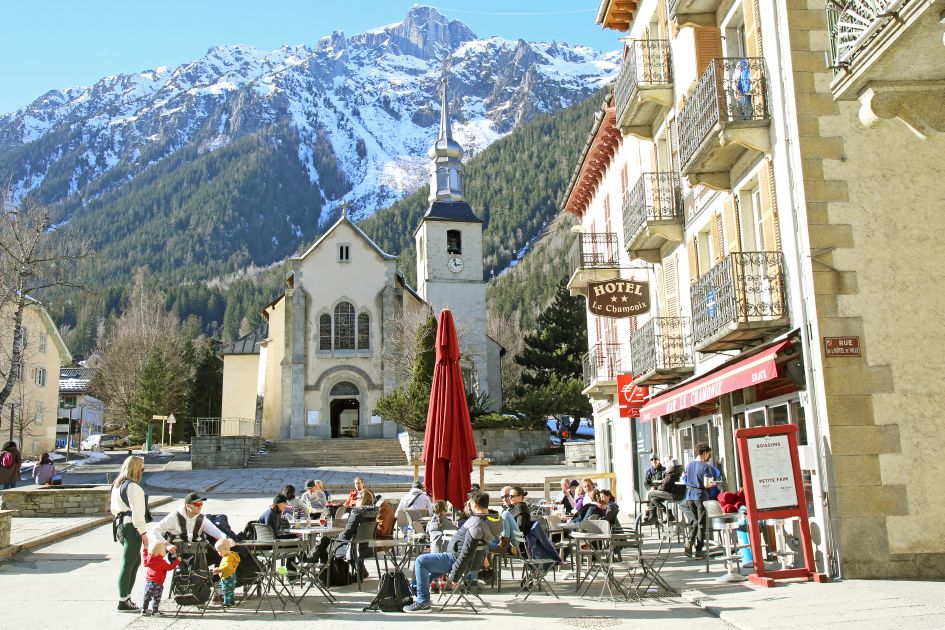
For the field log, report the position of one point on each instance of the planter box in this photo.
(56, 501)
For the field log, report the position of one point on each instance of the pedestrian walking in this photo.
(10, 461)
(700, 476)
(129, 507)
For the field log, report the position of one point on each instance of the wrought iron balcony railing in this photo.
(661, 344)
(647, 63)
(595, 250)
(654, 198)
(744, 288)
(731, 90)
(853, 24)
(601, 363)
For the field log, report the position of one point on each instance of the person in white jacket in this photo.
(129, 506)
(190, 517)
(416, 499)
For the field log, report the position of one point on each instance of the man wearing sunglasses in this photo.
(188, 524)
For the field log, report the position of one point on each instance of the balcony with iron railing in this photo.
(661, 350)
(726, 117)
(652, 215)
(888, 54)
(738, 302)
(601, 366)
(693, 12)
(594, 256)
(644, 87)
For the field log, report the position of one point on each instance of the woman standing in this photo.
(10, 460)
(129, 505)
(44, 471)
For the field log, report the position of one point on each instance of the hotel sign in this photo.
(618, 298)
(842, 346)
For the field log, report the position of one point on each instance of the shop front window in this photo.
(756, 418)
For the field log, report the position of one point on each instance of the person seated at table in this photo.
(565, 499)
(293, 502)
(589, 508)
(657, 497)
(654, 473)
(438, 525)
(273, 517)
(352, 499)
(520, 512)
(385, 518)
(314, 498)
(365, 511)
(586, 486)
(510, 536)
(458, 560)
(609, 508)
(416, 499)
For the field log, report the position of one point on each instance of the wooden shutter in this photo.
(671, 286)
(662, 20)
(674, 148)
(693, 248)
(717, 245)
(708, 46)
(732, 225)
(752, 28)
(769, 209)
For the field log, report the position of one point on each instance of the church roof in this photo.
(249, 343)
(451, 211)
(403, 282)
(344, 219)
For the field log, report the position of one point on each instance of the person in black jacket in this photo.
(364, 511)
(520, 512)
(664, 491)
(654, 475)
(273, 516)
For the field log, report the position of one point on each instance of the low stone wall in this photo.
(226, 451)
(6, 522)
(53, 501)
(501, 446)
(580, 454)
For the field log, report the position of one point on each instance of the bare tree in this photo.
(144, 332)
(34, 255)
(508, 333)
(400, 346)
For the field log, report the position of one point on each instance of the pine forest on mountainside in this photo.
(196, 248)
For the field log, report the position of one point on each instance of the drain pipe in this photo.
(805, 292)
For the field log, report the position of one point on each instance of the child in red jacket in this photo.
(156, 567)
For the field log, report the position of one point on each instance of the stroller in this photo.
(192, 584)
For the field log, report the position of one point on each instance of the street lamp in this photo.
(69, 433)
(13, 406)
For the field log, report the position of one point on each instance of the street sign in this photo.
(170, 419)
(842, 346)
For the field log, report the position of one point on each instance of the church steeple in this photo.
(446, 171)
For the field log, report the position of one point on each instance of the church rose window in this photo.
(364, 331)
(344, 326)
(454, 242)
(324, 332)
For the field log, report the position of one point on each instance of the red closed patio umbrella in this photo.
(448, 447)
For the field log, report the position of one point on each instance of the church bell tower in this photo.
(449, 249)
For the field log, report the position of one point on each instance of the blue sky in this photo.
(47, 44)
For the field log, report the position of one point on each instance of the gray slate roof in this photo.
(249, 343)
(451, 211)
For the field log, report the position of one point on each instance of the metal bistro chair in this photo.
(366, 533)
(269, 580)
(535, 567)
(593, 548)
(459, 596)
(341, 511)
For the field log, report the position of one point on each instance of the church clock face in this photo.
(455, 264)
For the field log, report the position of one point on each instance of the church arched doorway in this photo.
(344, 410)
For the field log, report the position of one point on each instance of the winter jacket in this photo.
(156, 567)
(522, 516)
(385, 520)
(228, 564)
(435, 528)
(12, 473)
(43, 473)
(314, 502)
(654, 476)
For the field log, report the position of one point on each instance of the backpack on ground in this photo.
(337, 573)
(7, 459)
(393, 593)
(192, 584)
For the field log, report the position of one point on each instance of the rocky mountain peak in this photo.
(424, 32)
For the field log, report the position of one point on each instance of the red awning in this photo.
(752, 370)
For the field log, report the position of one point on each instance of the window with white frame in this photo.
(39, 376)
(38, 412)
(42, 342)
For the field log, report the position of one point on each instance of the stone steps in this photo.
(312, 452)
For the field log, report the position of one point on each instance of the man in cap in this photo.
(189, 524)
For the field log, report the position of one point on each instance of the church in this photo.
(317, 366)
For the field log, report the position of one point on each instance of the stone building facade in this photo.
(773, 170)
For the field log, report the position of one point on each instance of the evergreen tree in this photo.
(555, 347)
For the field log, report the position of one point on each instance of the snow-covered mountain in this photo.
(358, 112)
